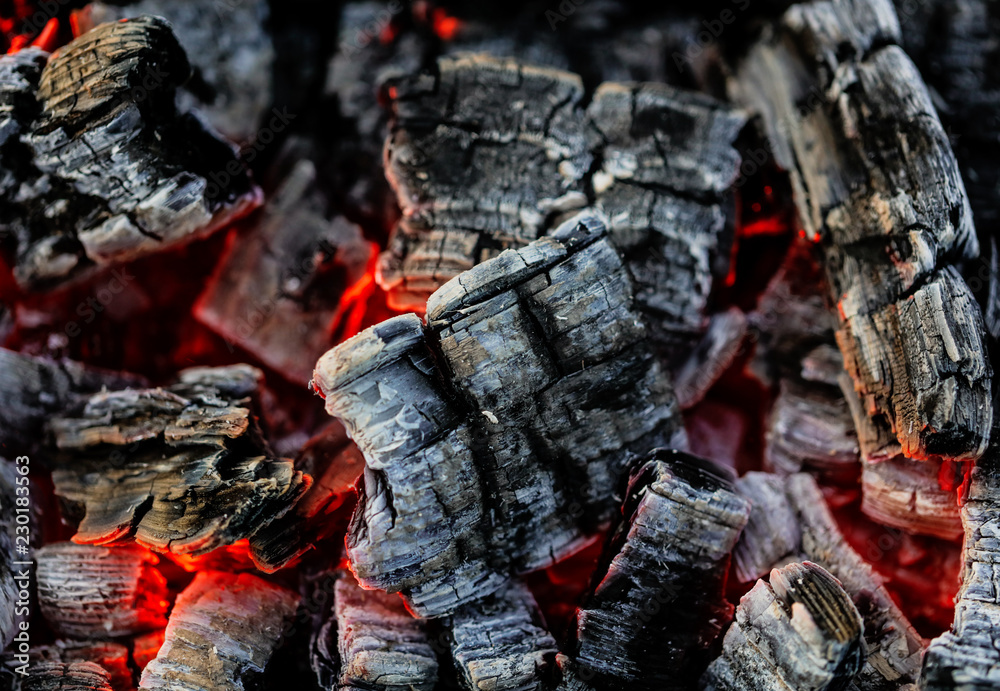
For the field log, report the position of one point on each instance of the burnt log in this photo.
(108, 169)
(546, 415)
(222, 632)
(875, 180)
(800, 631)
(112, 657)
(907, 494)
(659, 602)
(66, 676)
(92, 592)
(181, 469)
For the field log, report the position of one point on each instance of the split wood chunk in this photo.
(874, 177)
(231, 55)
(772, 531)
(66, 676)
(968, 656)
(800, 631)
(547, 389)
(371, 642)
(107, 167)
(279, 292)
(94, 592)
(222, 632)
(182, 469)
(112, 657)
(33, 389)
(659, 601)
(906, 494)
(500, 643)
(894, 648)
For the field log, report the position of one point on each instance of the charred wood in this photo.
(9, 588)
(721, 343)
(66, 676)
(112, 657)
(906, 494)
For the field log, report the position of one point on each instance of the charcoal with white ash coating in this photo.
(894, 648)
(874, 177)
(659, 599)
(85, 591)
(799, 631)
(907, 494)
(112, 657)
(103, 167)
(181, 469)
(501, 450)
(223, 630)
(231, 57)
(371, 642)
(279, 291)
(66, 676)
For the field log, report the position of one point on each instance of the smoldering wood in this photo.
(66, 676)
(546, 416)
(231, 55)
(110, 656)
(106, 167)
(92, 592)
(874, 177)
(772, 532)
(906, 494)
(500, 643)
(968, 656)
(222, 632)
(722, 342)
(894, 648)
(800, 631)
(371, 642)
(181, 469)
(32, 389)
(279, 292)
(659, 598)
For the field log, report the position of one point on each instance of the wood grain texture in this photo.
(874, 177)
(66, 676)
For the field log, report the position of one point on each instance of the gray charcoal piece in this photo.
(722, 342)
(906, 494)
(66, 676)
(874, 177)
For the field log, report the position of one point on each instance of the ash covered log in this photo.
(894, 648)
(659, 600)
(968, 656)
(500, 643)
(371, 642)
(66, 676)
(280, 290)
(547, 415)
(109, 170)
(800, 631)
(875, 179)
(222, 632)
(230, 51)
(92, 592)
(33, 389)
(182, 469)
(907, 494)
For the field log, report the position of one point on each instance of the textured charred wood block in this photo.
(500, 643)
(280, 290)
(66, 676)
(545, 389)
(182, 469)
(659, 600)
(968, 656)
(222, 632)
(92, 592)
(772, 531)
(800, 631)
(113, 658)
(231, 55)
(108, 168)
(721, 343)
(906, 494)
(874, 177)
(372, 642)
(894, 648)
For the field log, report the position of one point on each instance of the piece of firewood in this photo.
(500, 643)
(279, 291)
(772, 532)
(659, 597)
(66, 676)
(546, 389)
(112, 657)
(222, 632)
(968, 656)
(109, 169)
(875, 180)
(231, 54)
(91, 592)
(906, 494)
(800, 631)
(181, 469)
(371, 642)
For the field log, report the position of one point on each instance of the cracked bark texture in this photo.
(494, 439)
(874, 176)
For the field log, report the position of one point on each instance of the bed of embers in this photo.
(567, 346)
